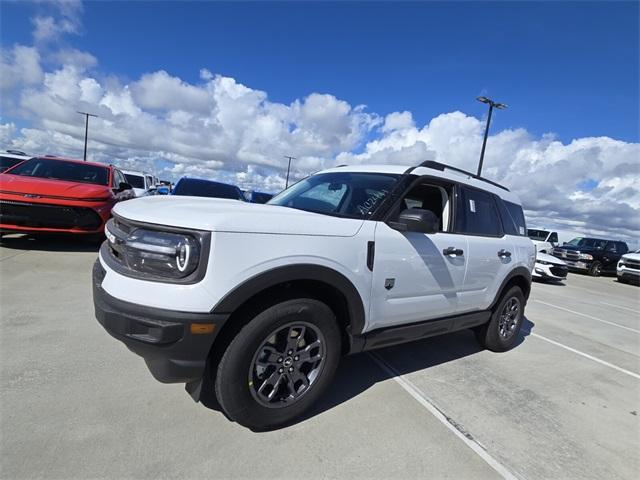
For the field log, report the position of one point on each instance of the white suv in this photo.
(258, 302)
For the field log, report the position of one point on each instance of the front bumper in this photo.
(63, 216)
(165, 339)
(628, 273)
(552, 272)
(578, 264)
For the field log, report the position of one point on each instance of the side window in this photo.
(477, 214)
(553, 238)
(434, 198)
(622, 248)
(611, 247)
(512, 218)
(118, 178)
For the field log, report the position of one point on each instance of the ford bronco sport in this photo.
(256, 303)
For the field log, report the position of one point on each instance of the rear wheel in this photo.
(595, 269)
(502, 331)
(279, 364)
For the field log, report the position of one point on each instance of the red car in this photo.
(49, 194)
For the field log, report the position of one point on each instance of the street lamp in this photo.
(492, 105)
(86, 130)
(288, 169)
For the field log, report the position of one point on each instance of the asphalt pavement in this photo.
(75, 403)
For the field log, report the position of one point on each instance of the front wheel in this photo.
(596, 269)
(502, 331)
(279, 364)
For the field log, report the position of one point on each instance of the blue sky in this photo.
(570, 68)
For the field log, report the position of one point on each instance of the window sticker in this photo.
(521, 228)
(472, 205)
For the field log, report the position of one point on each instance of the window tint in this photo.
(622, 248)
(204, 188)
(477, 214)
(118, 178)
(513, 221)
(63, 170)
(553, 238)
(8, 162)
(136, 181)
(611, 247)
(535, 234)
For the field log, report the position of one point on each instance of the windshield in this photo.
(204, 188)
(136, 181)
(62, 170)
(588, 242)
(8, 162)
(534, 234)
(343, 194)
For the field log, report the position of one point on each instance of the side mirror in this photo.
(124, 186)
(416, 220)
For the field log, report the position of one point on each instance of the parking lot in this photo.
(563, 404)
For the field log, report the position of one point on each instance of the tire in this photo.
(501, 334)
(595, 269)
(260, 352)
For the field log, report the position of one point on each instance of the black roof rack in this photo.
(17, 152)
(442, 167)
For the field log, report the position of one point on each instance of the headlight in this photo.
(585, 256)
(542, 262)
(172, 255)
(161, 253)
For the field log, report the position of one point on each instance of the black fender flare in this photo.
(522, 272)
(290, 273)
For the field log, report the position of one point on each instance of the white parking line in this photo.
(451, 424)
(636, 311)
(586, 355)
(588, 316)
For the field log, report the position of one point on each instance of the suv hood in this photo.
(632, 256)
(222, 215)
(23, 185)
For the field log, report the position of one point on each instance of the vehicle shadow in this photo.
(357, 373)
(544, 281)
(51, 243)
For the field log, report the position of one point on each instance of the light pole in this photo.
(492, 105)
(288, 169)
(86, 130)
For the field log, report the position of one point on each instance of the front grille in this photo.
(568, 254)
(559, 271)
(635, 264)
(41, 215)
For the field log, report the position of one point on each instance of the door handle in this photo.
(452, 251)
(504, 253)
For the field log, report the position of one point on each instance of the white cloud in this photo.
(20, 66)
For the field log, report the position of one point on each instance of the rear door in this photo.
(490, 254)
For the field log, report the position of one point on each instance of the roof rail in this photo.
(442, 167)
(17, 152)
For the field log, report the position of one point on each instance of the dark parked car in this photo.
(260, 197)
(196, 187)
(592, 255)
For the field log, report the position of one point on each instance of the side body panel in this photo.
(412, 279)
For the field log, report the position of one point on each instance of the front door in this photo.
(418, 276)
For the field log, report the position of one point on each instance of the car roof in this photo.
(202, 180)
(452, 175)
(15, 155)
(133, 172)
